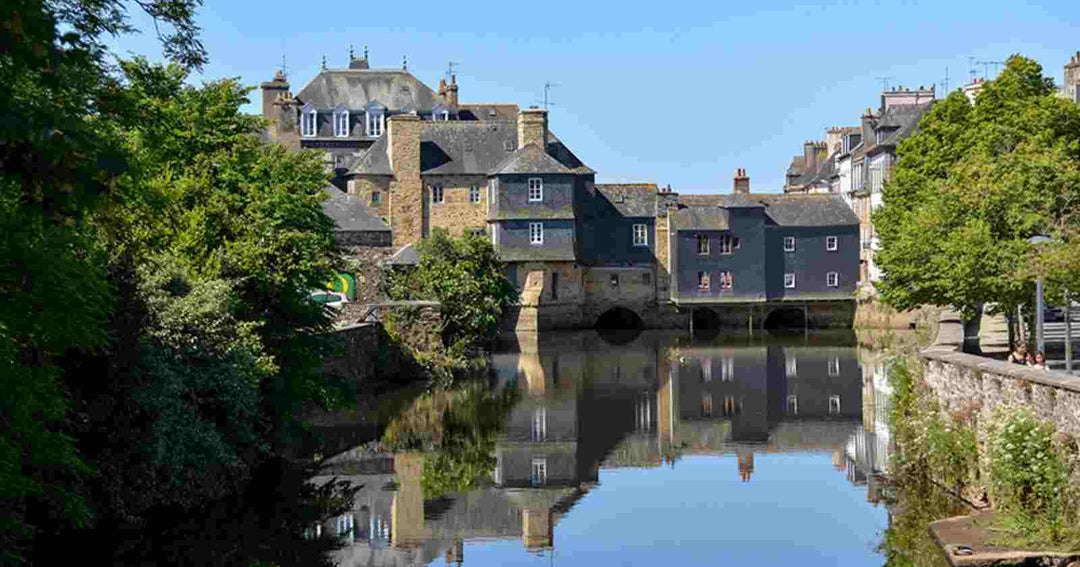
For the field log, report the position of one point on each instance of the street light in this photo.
(1040, 343)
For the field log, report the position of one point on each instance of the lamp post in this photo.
(1040, 342)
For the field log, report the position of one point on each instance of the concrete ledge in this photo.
(963, 540)
(1052, 378)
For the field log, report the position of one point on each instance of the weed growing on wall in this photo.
(1030, 479)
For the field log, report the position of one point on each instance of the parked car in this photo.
(331, 299)
(1053, 314)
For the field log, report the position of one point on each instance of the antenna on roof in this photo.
(323, 62)
(351, 52)
(884, 82)
(547, 87)
(404, 62)
(284, 69)
(971, 67)
(945, 83)
(986, 65)
(450, 68)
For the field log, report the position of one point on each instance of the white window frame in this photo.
(438, 194)
(789, 281)
(832, 279)
(375, 123)
(703, 250)
(834, 366)
(727, 244)
(791, 366)
(641, 235)
(834, 405)
(706, 369)
(538, 472)
(727, 280)
(341, 124)
(793, 405)
(309, 123)
(789, 244)
(536, 190)
(706, 404)
(832, 243)
(539, 425)
(727, 369)
(536, 233)
(474, 194)
(704, 281)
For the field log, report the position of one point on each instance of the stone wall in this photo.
(365, 353)
(365, 238)
(363, 187)
(407, 215)
(457, 213)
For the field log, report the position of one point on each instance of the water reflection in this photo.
(578, 404)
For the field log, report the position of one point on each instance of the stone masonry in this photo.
(407, 216)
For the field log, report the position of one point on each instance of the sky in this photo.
(668, 93)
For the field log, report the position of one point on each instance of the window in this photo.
(376, 121)
(791, 366)
(703, 281)
(789, 281)
(641, 235)
(834, 405)
(832, 243)
(731, 407)
(536, 233)
(437, 194)
(536, 189)
(726, 280)
(834, 366)
(727, 369)
(706, 369)
(614, 280)
(478, 231)
(341, 123)
(539, 472)
(376, 197)
(738, 242)
(832, 279)
(539, 425)
(308, 125)
(702, 244)
(789, 244)
(793, 405)
(727, 244)
(706, 404)
(474, 194)
(554, 285)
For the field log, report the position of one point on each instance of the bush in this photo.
(1030, 478)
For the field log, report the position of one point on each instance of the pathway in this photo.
(994, 339)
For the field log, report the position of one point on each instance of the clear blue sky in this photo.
(679, 93)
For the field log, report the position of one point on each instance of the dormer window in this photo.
(308, 118)
(341, 122)
(375, 119)
(880, 135)
(440, 112)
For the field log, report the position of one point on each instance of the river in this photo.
(634, 450)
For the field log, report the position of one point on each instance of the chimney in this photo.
(742, 183)
(868, 124)
(406, 188)
(453, 91)
(810, 156)
(272, 91)
(278, 107)
(533, 127)
(403, 141)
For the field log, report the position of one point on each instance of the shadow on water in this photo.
(786, 320)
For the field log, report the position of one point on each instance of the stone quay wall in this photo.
(965, 382)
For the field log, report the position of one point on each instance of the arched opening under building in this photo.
(786, 319)
(704, 320)
(620, 318)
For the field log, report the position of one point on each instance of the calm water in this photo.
(654, 450)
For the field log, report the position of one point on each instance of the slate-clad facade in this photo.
(410, 160)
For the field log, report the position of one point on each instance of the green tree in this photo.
(466, 276)
(57, 163)
(971, 185)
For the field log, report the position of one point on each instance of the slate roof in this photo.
(485, 111)
(709, 212)
(704, 217)
(630, 199)
(471, 147)
(902, 120)
(350, 214)
(529, 160)
(356, 88)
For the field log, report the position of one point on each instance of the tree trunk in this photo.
(971, 331)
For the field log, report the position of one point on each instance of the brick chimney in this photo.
(406, 189)
(742, 183)
(533, 127)
(453, 90)
(868, 124)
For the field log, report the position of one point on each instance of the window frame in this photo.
(727, 244)
(538, 471)
(832, 243)
(641, 230)
(789, 280)
(704, 281)
(834, 366)
(703, 250)
(538, 187)
(838, 410)
(792, 404)
(376, 198)
(474, 194)
(832, 279)
(727, 280)
(438, 194)
(341, 124)
(374, 123)
(305, 131)
(536, 234)
(791, 366)
(789, 240)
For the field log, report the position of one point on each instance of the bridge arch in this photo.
(791, 318)
(705, 320)
(620, 318)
